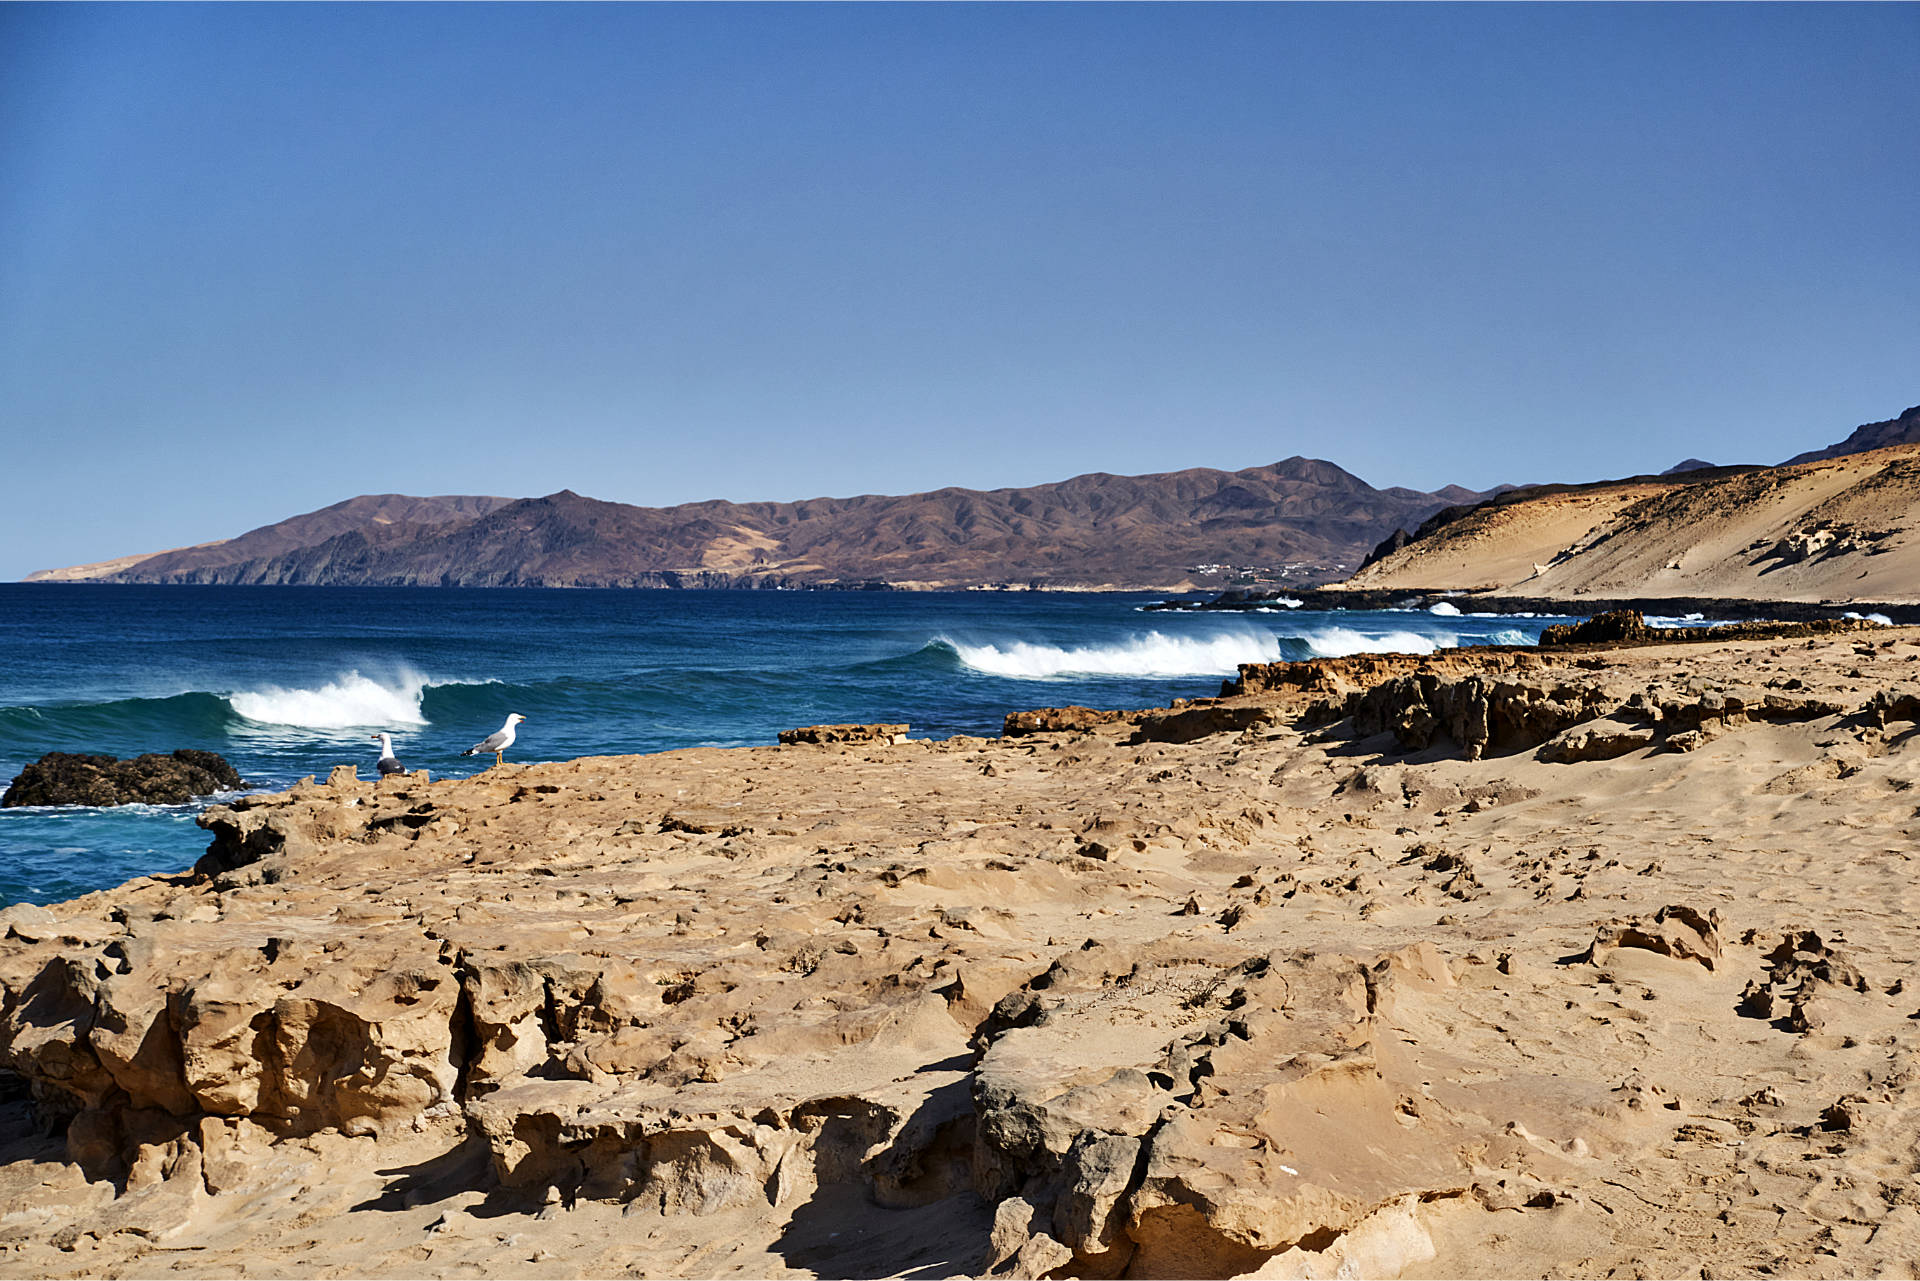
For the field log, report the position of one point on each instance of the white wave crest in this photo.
(1337, 642)
(1152, 654)
(1444, 608)
(347, 701)
(1881, 619)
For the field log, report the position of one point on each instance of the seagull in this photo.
(388, 763)
(497, 742)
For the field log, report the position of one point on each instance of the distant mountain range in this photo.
(1301, 521)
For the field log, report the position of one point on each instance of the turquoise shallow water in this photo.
(286, 682)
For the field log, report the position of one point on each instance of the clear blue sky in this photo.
(257, 259)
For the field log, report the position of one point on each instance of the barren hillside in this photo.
(1835, 529)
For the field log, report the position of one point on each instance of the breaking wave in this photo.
(347, 701)
(1156, 654)
(1152, 654)
(1337, 642)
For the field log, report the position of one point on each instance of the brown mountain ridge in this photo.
(1300, 520)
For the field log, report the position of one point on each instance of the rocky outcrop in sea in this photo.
(68, 778)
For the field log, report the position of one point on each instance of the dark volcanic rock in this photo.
(1621, 627)
(1629, 627)
(67, 778)
(1387, 546)
(1904, 430)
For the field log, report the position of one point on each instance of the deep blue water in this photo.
(286, 682)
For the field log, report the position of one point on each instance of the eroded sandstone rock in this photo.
(1049, 720)
(845, 734)
(1676, 930)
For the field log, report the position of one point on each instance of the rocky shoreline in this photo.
(1707, 607)
(1492, 962)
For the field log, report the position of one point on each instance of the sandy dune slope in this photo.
(1494, 963)
(1837, 529)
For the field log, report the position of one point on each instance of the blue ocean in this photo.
(286, 682)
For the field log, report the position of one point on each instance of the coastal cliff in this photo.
(1498, 962)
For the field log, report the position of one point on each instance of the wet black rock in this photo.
(68, 778)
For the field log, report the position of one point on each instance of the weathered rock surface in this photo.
(1486, 702)
(1676, 930)
(1051, 720)
(825, 734)
(1286, 998)
(67, 778)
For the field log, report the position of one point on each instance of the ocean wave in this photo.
(1444, 609)
(1881, 619)
(184, 812)
(1150, 654)
(348, 701)
(1338, 642)
(190, 717)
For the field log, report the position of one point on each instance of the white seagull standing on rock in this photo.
(388, 763)
(497, 742)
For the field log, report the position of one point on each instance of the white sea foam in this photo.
(1151, 654)
(347, 701)
(1444, 608)
(1688, 620)
(1881, 619)
(1337, 642)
